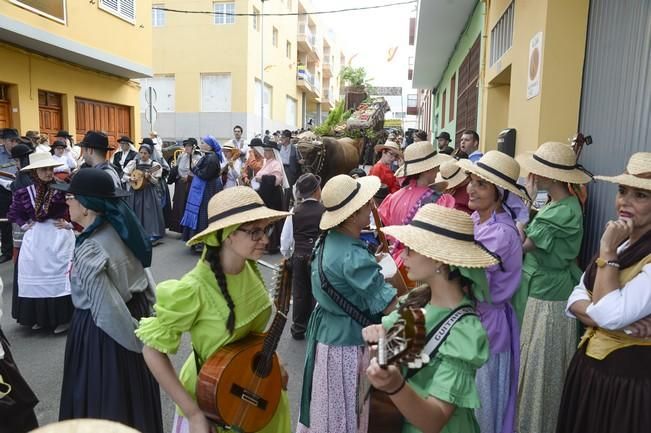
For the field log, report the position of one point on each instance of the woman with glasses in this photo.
(104, 374)
(219, 302)
(389, 154)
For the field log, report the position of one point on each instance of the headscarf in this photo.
(116, 212)
(214, 144)
(282, 167)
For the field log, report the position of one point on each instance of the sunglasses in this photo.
(258, 233)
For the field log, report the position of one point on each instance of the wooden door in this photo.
(468, 91)
(5, 107)
(112, 119)
(50, 113)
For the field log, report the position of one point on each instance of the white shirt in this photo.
(234, 173)
(620, 307)
(69, 164)
(285, 153)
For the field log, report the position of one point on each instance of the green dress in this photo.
(194, 304)
(450, 375)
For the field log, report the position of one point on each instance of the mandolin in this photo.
(402, 346)
(137, 179)
(239, 386)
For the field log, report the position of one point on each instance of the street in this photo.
(39, 354)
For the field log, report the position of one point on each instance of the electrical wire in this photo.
(288, 14)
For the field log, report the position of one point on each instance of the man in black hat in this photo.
(9, 138)
(444, 140)
(95, 147)
(299, 234)
(122, 157)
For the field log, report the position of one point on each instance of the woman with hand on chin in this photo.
(608, 384)
(440, 250)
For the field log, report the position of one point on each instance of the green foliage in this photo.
(335, 117)
(354, 77)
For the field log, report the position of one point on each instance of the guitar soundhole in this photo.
(261, 365)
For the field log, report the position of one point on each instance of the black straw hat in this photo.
(91, 182)
(95, 140)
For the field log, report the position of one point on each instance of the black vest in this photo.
(307, 216)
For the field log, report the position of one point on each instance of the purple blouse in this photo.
(22, 210)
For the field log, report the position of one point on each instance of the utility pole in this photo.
(262, 69)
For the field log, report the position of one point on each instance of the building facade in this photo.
(207, 68)
(71, 64)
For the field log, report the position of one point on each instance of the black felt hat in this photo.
(20, 151)
(9, 134)
(95, 140)
(126, 139)
(64, 134)
(91, 182)
(59, 143)
(270, 145)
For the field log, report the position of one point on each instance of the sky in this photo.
(369, 35)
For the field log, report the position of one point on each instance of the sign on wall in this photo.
(53, 9)
(386, 91)
(535, 65)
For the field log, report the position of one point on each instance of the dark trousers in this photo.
(6, 235)
(301, 294)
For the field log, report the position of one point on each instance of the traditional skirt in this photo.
(493, 384)
(335, 382)
(146, 205)
(103, 380)
(212, 188)
(612, 395)
(547, 344)
(181, 189)
(44, 265)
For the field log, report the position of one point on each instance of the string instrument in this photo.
(138, 180)
(235, 155)
(401, 346)
(399, 280)
(239, 386)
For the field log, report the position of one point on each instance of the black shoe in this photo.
(298, 337)
(5, 258)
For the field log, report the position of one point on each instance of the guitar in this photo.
(239, 386)
(137, 178)
(402, 345)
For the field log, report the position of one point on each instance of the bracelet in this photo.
(402, 385)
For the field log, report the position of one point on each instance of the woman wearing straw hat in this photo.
(104, 374)
(218, 302)
(491, 178)
(389, 154)
(441, 251)
(334, 340)
(552, 244)
(452, 180)
(608, 383)
(46, 250)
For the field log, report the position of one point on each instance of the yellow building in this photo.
(69, 64)
(207, 68)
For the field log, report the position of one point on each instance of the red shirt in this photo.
(386, 176)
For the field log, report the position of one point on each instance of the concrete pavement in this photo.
(39, 354)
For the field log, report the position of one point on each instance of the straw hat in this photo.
(236, 205)
(499, 169)
(419, 157)
(229, 145)
(85, 426)
(637, 173)
(389, 145)
(450, 176)
(40, 160)
(443, 234)
(342, 196)
(556, 161)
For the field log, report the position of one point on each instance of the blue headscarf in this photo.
(116, 212)
(214, 144)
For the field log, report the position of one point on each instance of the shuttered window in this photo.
(468, 92)
(125, 9)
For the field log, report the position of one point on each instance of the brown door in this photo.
(468, 94)
(5, 107)
(112, 119)
(50, 113)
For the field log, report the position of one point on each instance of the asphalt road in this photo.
(39, 354)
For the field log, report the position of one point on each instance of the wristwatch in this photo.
(603, 262)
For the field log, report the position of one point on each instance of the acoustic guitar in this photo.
(137, 179)
(239, 387)
(401, 346)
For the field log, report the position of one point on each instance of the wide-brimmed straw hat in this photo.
(389, 145)
(236, 205)
(450, 176)
(41, 160)
(443, 234)
(85, 426)
(342, 196)
(420, 157)
(637, 173)
(556, 161)
(499, 169)
(229, 145)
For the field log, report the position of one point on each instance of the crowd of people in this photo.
(518, 338)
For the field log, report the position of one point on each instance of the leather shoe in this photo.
(5, 258)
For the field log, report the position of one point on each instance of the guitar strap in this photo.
(440, 333)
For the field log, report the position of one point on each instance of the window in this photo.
(224, 13)
(274, 37)
(256, 18)
(502, 35)
(125, 9)
(157, 16)
(290, 115)
(453, 85)
(443, 109)
(216, 92)
(164, 93)
(288, 50)
(267, 99)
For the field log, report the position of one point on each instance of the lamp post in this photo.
(262, 68)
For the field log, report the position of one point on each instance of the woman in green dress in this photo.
(550, 272)
(220, 301)
(440, 250)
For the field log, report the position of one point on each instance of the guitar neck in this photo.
(272, 339)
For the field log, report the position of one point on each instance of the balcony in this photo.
(328, 64)
(307, 40)
(328, 98)
(305, 81)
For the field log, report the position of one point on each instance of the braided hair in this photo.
(212, 257)
(421, 295)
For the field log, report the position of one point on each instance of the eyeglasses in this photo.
(70, 197)
(257, 234)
